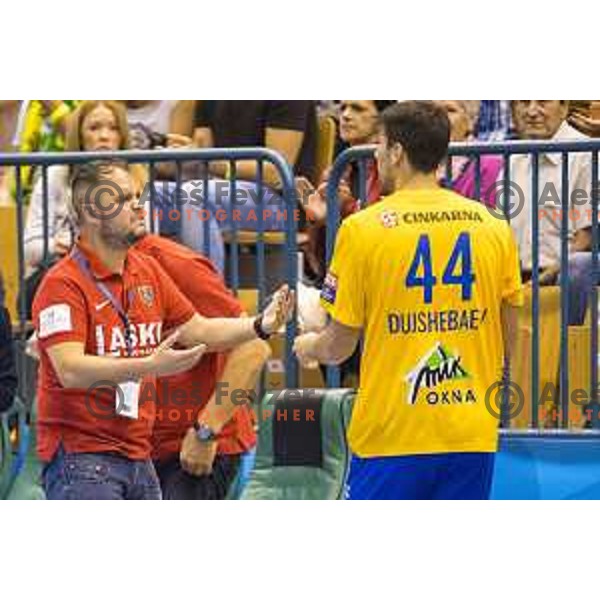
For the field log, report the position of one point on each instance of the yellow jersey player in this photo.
(432, 280)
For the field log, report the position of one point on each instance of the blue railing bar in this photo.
(154, 226)
(260, 245)
(478, 177)
(594, 294)
(535, 300)
(504, 419)
(22, 308)
(291, 249)
(152, 156)
(204, 207)
(362, 184)
(235, 254)
(564, 293)
(46, 250)
(464, 149)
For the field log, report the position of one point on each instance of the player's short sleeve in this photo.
(60, 311)
(288, 114)
(512, 285)
(344, 291)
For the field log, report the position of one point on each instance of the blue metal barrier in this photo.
(506, 150)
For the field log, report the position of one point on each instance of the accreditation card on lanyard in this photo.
(127, 396)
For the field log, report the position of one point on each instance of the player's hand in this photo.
(585, 124)
(549, 275)
(304, 348)
(61, 244)
(197, 457)
(279, 311)
(176, 140)
(166, 361)
(316, 207)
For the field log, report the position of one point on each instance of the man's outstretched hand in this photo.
(279, 311)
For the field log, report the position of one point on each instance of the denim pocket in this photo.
(87, 468)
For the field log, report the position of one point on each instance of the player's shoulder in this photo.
(63, 282)
(155, 245)
(490, 217)
(365, 217)
(65, 270)
(174, 258)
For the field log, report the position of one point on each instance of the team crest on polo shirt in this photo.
(146, 293)
(389, 219)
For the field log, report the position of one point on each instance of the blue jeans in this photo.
(251, 209)
(581, 280)
(97, 476)
(180, 218)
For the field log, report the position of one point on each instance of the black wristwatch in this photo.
(204, 433)
(258, 328)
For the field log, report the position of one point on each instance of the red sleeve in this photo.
(60, 311)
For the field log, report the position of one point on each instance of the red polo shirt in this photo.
(69, 307)
(181, 397)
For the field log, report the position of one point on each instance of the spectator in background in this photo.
(160, 124)
(547, 120)
(462, 115)
(41, 127)
(96, 125)
(493, 123)
(8, 372)
(359, 124)
(9, 110)
(286, 126)
(168, 124)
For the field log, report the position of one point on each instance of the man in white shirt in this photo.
(547, 120)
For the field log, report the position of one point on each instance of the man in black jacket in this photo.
(8, 373)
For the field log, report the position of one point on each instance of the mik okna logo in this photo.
(435, 368)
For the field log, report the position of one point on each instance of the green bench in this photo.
(302, 451)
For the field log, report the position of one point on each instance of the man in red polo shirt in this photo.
(100, 314)
(191, 471)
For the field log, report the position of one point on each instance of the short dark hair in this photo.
(381, 105)
(422, 128)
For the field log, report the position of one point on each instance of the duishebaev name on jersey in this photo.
(442, 321)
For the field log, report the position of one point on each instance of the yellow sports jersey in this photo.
(424, 274)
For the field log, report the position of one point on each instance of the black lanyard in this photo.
(84, 265)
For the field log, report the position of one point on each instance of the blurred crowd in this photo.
(297, 130)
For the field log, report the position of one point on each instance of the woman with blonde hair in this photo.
(96, 125)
